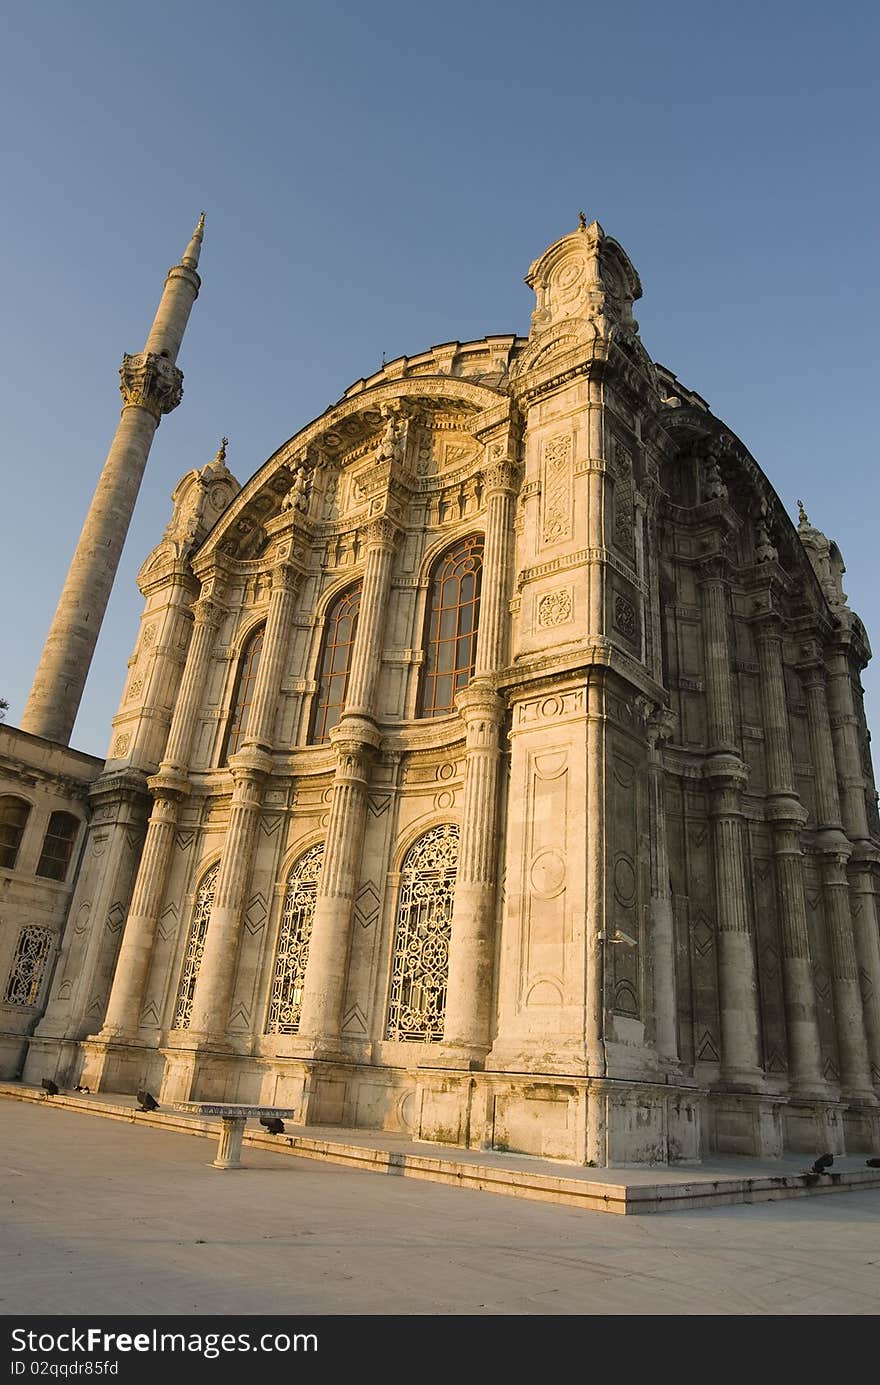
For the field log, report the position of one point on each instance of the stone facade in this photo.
(492, 766)
(44, 809)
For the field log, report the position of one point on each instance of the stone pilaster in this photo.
(169, 787)
(660, 726)
(595, 880)
(835, 850)
(151, 386)
(788, 818)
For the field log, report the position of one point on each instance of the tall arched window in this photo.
(420, 964)
(292, 954)
(451, 627)
(243, 694)
(57, 846)
(340, 629)
(13, 816)
(195, 946)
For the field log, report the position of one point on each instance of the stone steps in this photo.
(623, 1191)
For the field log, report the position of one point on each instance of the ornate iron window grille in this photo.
(294, 935)
(420, 964)
(195, 946)
(28, 964)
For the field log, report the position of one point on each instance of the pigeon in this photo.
(823, 1163)
(147, 1101)
(86, 1090)
(873, 1163)
(273, 1124)
(49, 1087)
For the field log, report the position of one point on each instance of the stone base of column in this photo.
(57, 1058)
(122, 1065)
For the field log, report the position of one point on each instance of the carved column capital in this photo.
(250, 766)
(207, 611)
(151, 381)
(382, 532)
(501, 472)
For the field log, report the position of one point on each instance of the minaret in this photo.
(151, 386)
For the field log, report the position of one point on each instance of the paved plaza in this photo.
(104, 1217)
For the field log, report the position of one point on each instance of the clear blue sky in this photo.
(377, 178)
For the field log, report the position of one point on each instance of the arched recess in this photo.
(334, 662)
(243, 692)
(14, 813)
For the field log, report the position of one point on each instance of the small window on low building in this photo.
(13, 817)
(57, 846)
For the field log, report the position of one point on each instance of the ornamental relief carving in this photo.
(555, 608)
(556, 523)
(552, 707)
(625, 619)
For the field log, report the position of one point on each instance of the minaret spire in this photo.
(151, 386)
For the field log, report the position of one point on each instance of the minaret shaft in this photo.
(151, 386)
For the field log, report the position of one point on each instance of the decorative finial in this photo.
(582, 221)
(221, 454)
(193, 250)
(802, 514)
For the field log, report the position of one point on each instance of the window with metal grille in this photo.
(57, 846)
(243, 695)
(195, 946)
(28, 965)
(340, 629)
(292, 953)
(420, 964)
(13, 817)
(451, 626)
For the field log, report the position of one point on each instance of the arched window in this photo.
(243, 695)
(13, 816)
(451, 627)
(57, 846)
(195, 946)
(340, 629)
(420, 962)
(285, 1000)
(28, 965)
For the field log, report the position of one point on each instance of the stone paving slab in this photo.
(623, 1191)
(115, 1217)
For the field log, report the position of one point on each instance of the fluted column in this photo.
(835, 852)
(366, 658)
(324, 985)
(151, 386)
(659, 728)
(788, 819)
(501, 479)
(169, 787)
(355, 741)
(727, 776)
(467, 1023)
(250, 769)
(865, 856)
(472, 945)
